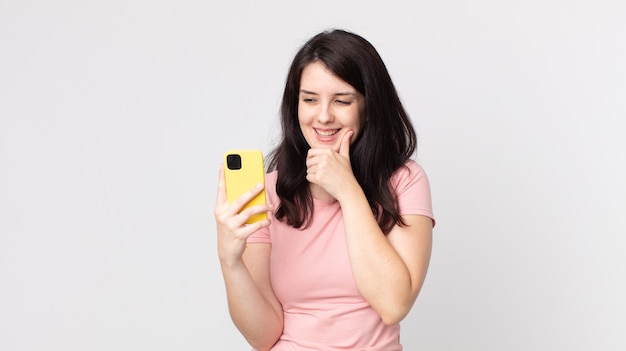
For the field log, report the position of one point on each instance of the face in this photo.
(328, 107)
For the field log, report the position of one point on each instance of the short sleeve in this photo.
(413, 190)
(260, 236)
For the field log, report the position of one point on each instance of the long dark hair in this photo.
(387, 138)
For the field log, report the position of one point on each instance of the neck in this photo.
(319, 193)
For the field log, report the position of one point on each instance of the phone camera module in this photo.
(233, 161)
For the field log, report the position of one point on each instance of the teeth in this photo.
(326, 132)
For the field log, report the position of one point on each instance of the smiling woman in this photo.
(345, 250)
(328, 108)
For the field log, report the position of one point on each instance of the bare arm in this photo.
(251, 301)
(389, 270)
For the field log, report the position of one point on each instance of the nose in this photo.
(325, 114)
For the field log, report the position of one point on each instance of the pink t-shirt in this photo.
(312, 277)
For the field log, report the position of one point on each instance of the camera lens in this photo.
(233, 161)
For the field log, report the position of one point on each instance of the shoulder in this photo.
(410, 172)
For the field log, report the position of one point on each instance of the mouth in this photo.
(326, 132)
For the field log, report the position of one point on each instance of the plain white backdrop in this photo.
(114, 116)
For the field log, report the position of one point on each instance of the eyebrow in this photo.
(304, 91)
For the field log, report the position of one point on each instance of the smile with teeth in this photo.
(326, 132)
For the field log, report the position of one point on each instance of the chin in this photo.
(319, 145)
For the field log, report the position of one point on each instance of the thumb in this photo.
(344, 147)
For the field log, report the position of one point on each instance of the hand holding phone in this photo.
(244, 170)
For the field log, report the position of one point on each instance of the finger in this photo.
(344, 147)
(237, 212)
(246, 197)
(313, 156)
(315, 152)
(255, 210)
(256, 226)
(240, 221)
(221, 186)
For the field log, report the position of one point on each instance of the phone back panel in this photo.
(239, 181)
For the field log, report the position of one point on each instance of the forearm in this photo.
(259, 320)
(380, 273)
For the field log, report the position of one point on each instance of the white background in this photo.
(114, 116)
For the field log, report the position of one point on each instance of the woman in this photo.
(345, 251)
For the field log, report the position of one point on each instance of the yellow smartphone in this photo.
(243, 170)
